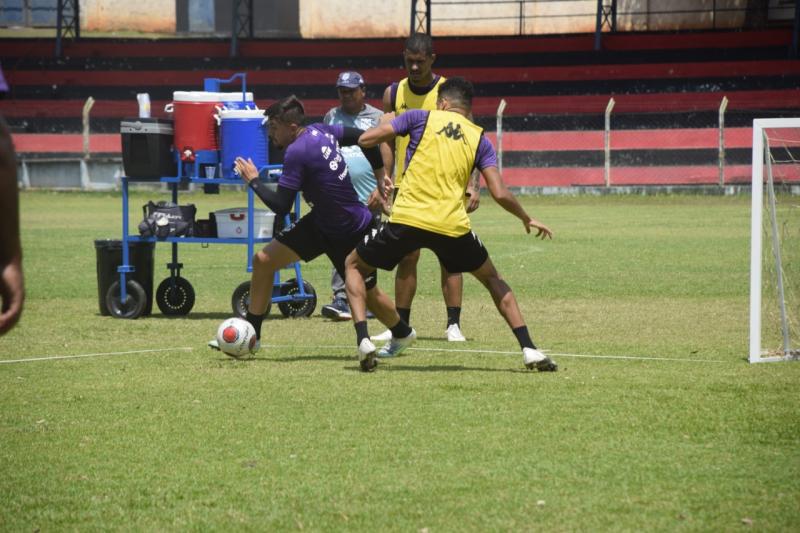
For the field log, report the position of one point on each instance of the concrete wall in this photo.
(392, 18)
(354, 18)
(664, 17)
(157, 16)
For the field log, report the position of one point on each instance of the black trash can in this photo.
(109, 257)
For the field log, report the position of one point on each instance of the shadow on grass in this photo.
(209, 315)
(293, 359)
(385, 365)
(446, 368)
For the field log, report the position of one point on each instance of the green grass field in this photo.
(685, 435)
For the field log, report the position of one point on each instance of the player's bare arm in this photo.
(379, 198)
(12, 287)
(504, 197)
(377, 135)
(474, 191)
(389, 154)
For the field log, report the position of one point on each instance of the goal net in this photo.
(775, 241)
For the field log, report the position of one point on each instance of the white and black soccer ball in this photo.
(237, 338)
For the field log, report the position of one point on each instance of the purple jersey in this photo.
(413, 123)
(314, 166)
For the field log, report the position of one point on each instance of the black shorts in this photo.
(392, 242)
(306, 240)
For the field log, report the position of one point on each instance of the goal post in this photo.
(775, 241)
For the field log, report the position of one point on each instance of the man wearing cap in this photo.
(353, 112)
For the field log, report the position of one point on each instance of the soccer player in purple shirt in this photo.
(313, 165)
(430, 212)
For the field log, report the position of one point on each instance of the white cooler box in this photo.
(232, 223)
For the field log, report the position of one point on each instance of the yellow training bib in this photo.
(434, 184)
(406, 99)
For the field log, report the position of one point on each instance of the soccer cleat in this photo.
(386, 336)
(454, 333)
(534, 359)
(396, 346)
(213, 344)
(337, 310)
(366, 356)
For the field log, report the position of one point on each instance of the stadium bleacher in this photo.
(667, 88)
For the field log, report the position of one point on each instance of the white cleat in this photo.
(213, 344)
(366, 356)
(454, 333)
(386, 336)
(396, 346)
(536, 360)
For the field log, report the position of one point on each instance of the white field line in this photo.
(500, 352)
(58, 357)
(340, 346)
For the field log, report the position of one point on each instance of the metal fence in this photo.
(527, 17)
(709, 150)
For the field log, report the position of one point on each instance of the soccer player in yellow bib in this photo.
(429, 212)
(419, 91)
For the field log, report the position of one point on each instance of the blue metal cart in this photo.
(126, 298)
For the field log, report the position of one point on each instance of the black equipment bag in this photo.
(166, 219)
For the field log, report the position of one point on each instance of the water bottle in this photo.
(144, 105)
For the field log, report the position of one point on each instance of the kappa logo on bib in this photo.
(451, 132)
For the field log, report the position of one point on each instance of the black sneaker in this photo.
(337, 310)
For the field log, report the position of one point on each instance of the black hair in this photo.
(457, 89)
(420, 42)
(288, 110)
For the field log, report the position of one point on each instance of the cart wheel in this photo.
(240, 300)
(299, 308)
(175, 296)
(134, 303)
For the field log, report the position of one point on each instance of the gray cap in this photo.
(350, 79)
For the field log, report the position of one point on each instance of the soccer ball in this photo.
(237, 338)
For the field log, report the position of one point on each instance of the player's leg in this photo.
(405, 284)
(266, 262)
(405, 288)
(338, 309)
(501, 293)
(357, 272)
(452, 290)
(383, 249)
(363, 292)
(301, 241)
(507, 305)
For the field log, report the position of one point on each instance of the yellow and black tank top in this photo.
(444, 152)
(405, 99)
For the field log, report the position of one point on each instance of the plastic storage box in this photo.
(232, 223)
(147, 148)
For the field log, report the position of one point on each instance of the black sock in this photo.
(361, 331)
(523, 337)
(405, 314)
(453, 315)
(255, 320)
(400, 330)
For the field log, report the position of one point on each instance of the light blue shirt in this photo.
(361, 173)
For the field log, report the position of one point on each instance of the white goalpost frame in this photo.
(756, 244)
